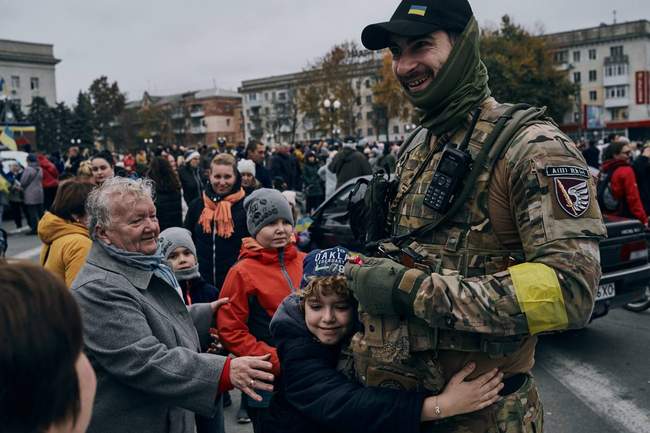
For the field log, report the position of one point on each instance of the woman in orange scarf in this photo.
(217, 220)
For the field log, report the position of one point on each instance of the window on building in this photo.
(252, 97)
(266, 110)
(282, 96)
(621, 70)
(561, 56)
(227, 122)
(593, 75)
(576, 77)
(273, 96)
(359, 115)
(359, 132)
(359, 83)
(369, 99)
(576, 57)
(592, 54)
(593, 95)
(15, 82)
(616, 51)
(358, 100)
(396, 129)
(367, 83)
(371, 131)
(266, 96)
(369, 115)
(33, 83)
(616, 92)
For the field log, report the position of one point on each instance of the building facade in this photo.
(191, 119)
(611, 66)
(272, 114)
(27, 70)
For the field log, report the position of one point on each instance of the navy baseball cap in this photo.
(416, 18)
(322, 263)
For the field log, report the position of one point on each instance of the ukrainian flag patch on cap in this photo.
(418, 10)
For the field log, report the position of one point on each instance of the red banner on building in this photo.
(642, 87)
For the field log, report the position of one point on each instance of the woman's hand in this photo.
(460, 396)
(218, 303)
(248, 373)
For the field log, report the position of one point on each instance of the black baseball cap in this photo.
(418, 17)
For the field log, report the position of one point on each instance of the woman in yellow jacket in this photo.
(64, 232)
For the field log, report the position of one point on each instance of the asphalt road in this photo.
(596, 380)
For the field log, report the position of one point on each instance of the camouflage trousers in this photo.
(519, 412)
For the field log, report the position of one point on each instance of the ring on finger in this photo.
(252, 382)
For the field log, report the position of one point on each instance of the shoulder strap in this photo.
(404, 147)
(507, 125)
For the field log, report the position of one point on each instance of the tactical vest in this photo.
(402, 353)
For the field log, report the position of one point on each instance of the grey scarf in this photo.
(187, 274)
(145, 263)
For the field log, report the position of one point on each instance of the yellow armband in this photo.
(539, 296)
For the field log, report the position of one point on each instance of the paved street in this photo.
(596, 380)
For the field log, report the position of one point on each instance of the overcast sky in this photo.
(166, 46)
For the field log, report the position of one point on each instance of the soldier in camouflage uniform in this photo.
(520, 256)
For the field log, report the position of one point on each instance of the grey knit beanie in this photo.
(175, 237)
(263, 207)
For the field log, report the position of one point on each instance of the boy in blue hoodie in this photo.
(313, 393)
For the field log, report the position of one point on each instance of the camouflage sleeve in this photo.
(555, 210)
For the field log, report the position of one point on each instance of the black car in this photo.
(623, 255)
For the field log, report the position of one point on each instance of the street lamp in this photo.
(148, 141)
(331, 107)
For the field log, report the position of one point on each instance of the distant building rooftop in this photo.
(27, 52)
(601, 34)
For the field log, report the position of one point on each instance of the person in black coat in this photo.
(255, 152)
(642, 171)
(191, 177)
(168, 193)
(348, 164)
(285, 166)
(218, 241)
(310, 330)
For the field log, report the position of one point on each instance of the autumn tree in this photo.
(42, 117)
(83, 121)
(63, 120)
(521, 69)
(331, 77)
(108, 103)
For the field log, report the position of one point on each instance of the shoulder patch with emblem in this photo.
(571, 188)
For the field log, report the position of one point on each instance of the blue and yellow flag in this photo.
(418, 10)
(7, 138)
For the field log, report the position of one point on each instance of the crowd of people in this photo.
(183, 268)
(621, 169)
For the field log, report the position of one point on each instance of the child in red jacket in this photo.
(268, 270)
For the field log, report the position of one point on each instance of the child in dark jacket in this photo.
(177, 248)
(312, 394)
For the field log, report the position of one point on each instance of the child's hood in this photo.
(289, 319)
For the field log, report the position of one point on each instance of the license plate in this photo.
(606, 291)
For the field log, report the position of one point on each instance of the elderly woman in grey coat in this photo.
(142, 340)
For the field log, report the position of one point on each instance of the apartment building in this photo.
(195, 118)
(611, 64)
(272, 115)
(27, 70)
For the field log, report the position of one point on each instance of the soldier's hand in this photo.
(460, 396)
(373, 282)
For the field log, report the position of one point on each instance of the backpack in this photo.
(604, 193)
